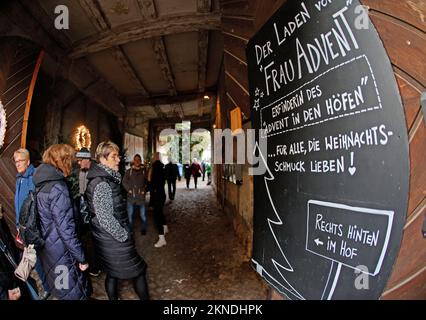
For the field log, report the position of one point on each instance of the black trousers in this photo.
(140, 285)
(171, 185)
(188, 179)
(158, 200)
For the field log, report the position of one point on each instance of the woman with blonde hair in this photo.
(114, 244)
(62, 255)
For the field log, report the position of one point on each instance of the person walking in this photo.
(134, 184)
(62, 254)
(203, 169)
(195, 171)
(114, 243)
(25, 184)
(209, 173)
(172, 174)
(187, 173)
(157, 180)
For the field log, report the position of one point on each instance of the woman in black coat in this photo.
(157, 181)
(114, 245)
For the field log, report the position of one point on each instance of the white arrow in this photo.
(318, 242)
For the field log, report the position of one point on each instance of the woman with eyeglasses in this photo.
(113, 241)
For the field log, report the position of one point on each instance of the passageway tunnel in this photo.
(83, 72)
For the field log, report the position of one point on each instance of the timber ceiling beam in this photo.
(160, 114)
(99, 20)
(173, 120)
(164, 25)
(203, 6)
(149, 14)
(147, 9)
(163, 61)
(26, 18)
(140, 101)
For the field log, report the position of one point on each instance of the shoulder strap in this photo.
(7, 254)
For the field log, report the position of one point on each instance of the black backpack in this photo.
(29, 222)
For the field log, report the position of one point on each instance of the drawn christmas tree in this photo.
(281, 263)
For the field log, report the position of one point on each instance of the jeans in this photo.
(130, 210)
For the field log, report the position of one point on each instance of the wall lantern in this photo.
(82, 138)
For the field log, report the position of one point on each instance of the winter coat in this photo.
(158, 180)
(63, 251)
(187, 171)
(113, 242)
(171, 171)
(134, 181)
(196, 169)
(24, 184)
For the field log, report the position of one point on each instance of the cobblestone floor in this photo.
(202, 259)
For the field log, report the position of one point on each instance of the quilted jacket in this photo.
(63, 251)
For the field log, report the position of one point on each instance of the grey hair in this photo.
(104, 149)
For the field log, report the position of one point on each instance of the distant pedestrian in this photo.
(187, 173)
(157, 180)
(134, 184)
(25, 184)
(209, 173)
(172, 174)
(203, 169)
(196, 171)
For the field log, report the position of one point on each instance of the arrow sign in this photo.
(318, 242)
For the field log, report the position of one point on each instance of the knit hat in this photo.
(84, 153)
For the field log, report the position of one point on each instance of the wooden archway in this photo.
(19, 67)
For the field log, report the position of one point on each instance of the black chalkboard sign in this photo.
(330, 208)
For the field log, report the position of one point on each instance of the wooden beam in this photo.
(204, 5)
(39, 29)
(200, 107)
(128, 68)
(164, 25)
(140, 101)
(173, 120)
(159, 112)
(149, 13)
(163, 61)
(99, 20)
(95, 14)
(147, 9)
(203, 46)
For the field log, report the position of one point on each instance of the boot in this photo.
(165, 229)
(161, 241)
